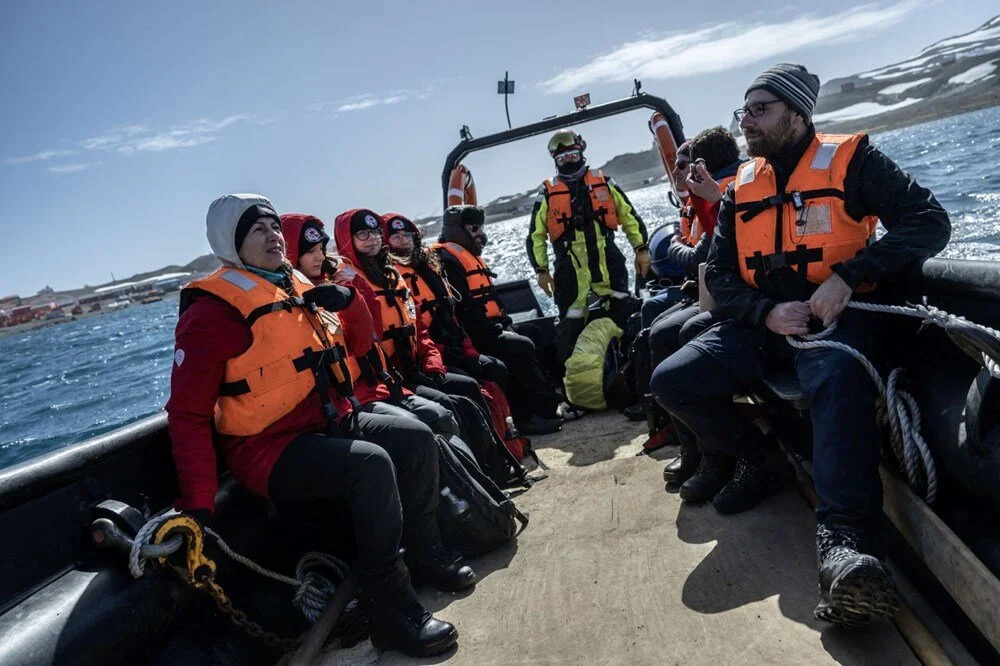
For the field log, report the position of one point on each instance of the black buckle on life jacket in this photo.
(752, 209)
(799, 258)
(399, 332)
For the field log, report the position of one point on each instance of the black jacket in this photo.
(471, 314)
(916, 224)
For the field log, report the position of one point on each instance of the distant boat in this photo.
(118, 305)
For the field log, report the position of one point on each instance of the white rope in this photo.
(313, 590)
(899, 407)
(900, 410)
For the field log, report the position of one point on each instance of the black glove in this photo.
(331, 297)
(690, 289)
(431, 379)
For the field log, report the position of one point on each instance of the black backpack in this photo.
(488, 518)
(488, 448)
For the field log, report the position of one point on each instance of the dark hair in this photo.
(716, 146)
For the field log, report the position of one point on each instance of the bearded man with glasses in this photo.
(794, 243)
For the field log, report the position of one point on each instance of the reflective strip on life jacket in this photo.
(290, 346)
(560, 205)
(806, 227)
(478, 276)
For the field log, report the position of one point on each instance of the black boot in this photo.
(856, 588)
(751, 483)
(397, 619)
(445, 571)
(714, 470)
(636, 412)
(683, 466)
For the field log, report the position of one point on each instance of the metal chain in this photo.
(241, 620)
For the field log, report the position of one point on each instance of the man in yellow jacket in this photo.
(579, 211)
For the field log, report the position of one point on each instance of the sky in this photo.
(122, 121)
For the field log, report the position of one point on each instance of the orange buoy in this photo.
(461, 187)
(666, 145)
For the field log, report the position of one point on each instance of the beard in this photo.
(773, 141)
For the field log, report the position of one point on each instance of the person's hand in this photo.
(330, 297)
(642, 263)
(344, 275)
(546, 283)
(433, 378)
(830, 299)
(790, 318)
(700, 182)
(690, 289)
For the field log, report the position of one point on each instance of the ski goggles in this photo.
(568, 156)
(563, 140)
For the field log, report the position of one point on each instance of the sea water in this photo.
(62, 384)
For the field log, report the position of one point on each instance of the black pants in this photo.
(482, 368)
(533, 395)
(696, 385)
(387, 470)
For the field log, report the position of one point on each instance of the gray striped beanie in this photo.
(792, 84)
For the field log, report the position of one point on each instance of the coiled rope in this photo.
(898, 409)
(313, 589)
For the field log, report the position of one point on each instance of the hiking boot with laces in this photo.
(397, 620)
(443, 570)
(751, 483)
(856, 588)
(714, 470)
(683, 466)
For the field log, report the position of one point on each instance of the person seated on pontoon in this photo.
(794, 242)
(715, 157)
(481, 314)
(267, 381)
(375, 388)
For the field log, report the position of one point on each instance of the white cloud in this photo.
(71, 168)
(368, 100)
(720, 47)
(37, 157)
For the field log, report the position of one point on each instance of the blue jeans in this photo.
(696, 385)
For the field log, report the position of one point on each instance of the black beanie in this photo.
(792, 84)
(249, 217)
(399, 223)
(365, 219)
(311, 235)
(464, 215)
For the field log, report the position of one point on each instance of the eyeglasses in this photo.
(568, 156)
(402, 234)
(365, 234)
(755, 110)
(474, 228)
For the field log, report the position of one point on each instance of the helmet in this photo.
(566, 138)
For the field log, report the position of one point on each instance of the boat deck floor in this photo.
(613, 569)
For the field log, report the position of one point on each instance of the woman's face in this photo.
(367, 242)
(311, 263)
(264, 246)
(401, 242)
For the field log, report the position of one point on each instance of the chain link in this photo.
(240, 619)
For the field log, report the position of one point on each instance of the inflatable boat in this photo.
(611, 568)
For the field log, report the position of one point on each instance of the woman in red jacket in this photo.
(402, 335)
(253, 359)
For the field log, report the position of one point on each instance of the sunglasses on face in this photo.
(753, 110)
(568, 156)
(365, 234)
(474, 228)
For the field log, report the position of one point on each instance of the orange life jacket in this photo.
(278, 370)
(478, 276)
(423, 296)
(691, 229)
(805, 227)
(560, 205)
(399, 316)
